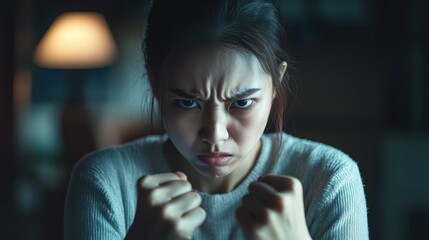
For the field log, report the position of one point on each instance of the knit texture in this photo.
(102, 194)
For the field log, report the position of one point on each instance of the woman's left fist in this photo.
(273, 209)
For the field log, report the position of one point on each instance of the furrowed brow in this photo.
(237, 96)
(243, 94)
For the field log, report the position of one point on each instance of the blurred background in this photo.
(362, 67)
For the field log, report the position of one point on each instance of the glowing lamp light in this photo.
(76, 40)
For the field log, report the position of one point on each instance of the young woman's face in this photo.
(215, 110)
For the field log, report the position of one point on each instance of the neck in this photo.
(207, 184)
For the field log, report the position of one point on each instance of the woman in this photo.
(218, 74)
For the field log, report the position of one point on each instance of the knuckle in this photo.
(201, 212)
(201, 218)
(144, 182)
(179, 225)
(155, 196)
(295, 185)
(195, 196)
(167, 211)
(295, 182)
(287, 199)
(279, 203)
(288, 203)
(184, 229)
(194, 199)
(163, 212)
(187, 185)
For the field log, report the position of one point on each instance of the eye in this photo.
(243, 103)
(187, 104)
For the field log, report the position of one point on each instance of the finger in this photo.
(193, 218)
(256, 208)
(154, 180)
(183, 204)
(262, 190)
(266, 194)
(282, 183)
(169, 190)
(244, 220)
(181, 175)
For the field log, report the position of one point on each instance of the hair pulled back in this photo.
(253, 26)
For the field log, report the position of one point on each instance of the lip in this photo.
(215, 159)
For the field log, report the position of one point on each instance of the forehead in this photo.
(225, 68)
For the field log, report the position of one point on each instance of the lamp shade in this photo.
(76, 40)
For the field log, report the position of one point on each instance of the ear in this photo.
(283, 67)
(282, 71)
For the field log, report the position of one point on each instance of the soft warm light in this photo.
(76, 40)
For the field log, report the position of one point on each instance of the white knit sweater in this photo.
(101, 199)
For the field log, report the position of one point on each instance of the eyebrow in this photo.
(237, 96)
(243, 94)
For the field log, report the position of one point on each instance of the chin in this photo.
(214, 172)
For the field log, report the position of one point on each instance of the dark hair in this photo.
(251, 26)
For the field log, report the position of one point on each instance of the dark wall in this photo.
(7, 161)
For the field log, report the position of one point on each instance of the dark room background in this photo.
(362, 69)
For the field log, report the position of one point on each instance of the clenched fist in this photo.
(166, 208)
(273, 209)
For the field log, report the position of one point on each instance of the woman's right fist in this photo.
(166, 208)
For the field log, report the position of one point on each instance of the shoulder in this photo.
(102, 188)
(120, 159)
(303, 157)
(322, 169)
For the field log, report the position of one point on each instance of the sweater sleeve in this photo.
(340, 211)
(89, 208)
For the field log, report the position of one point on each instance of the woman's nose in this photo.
(214, 130)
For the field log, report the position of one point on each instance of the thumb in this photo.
(181, 175)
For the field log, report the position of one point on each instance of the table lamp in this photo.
(74, 42)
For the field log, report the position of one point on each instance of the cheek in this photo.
(177, 126)
(247, 129)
